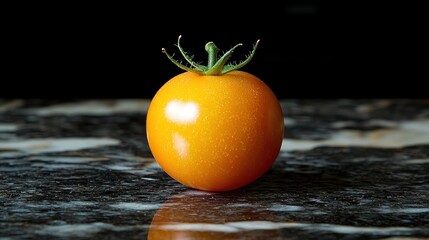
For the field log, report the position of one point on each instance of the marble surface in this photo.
(82, 169)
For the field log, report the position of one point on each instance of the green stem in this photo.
(215, 65)
(212, 50)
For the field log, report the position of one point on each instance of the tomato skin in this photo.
(215, 133)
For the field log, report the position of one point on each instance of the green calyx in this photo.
(215, 65)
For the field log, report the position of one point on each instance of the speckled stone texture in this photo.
(82, 169)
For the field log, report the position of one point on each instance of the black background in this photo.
(307, 49)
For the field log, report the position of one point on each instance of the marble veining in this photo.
(92, 107)
(23, 147)
(8, 127)
(404, 134)
(82, 169)
(262, 225)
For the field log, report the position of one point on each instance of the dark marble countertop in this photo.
(82, 169)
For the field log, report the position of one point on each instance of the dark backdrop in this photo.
(307, 48)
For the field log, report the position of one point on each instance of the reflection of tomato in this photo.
(215, 131)
(190, 216)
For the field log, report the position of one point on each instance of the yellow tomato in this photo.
(215, 132)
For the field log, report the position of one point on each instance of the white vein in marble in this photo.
(370, 107)
(65, 205)
(61, 166)
(8, 127)
(267, 225)
(370, 123)
(403, 238)
(285, 208)
(93, 107)
(49, 145)
(407, 133)
(416, 161)
(135, 165)
(289, 121)
(135, 206)
(11, 105)
(404, 210)
(63, 159)
(75, 230)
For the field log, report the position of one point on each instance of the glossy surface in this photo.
(177, 218)
(215, 133)
(347, 169)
